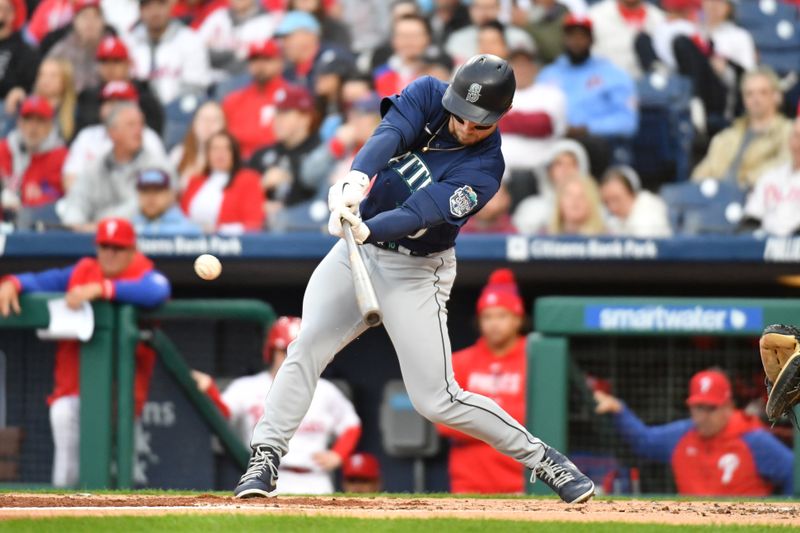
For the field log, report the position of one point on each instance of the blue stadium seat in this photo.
(665, 135)
(775, 30)
(178, 116)
(702, 208)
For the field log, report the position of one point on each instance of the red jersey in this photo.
(42, 174)
(722, 465)
(503, 379)
(242, 200)
(250, 112)
(67, 367)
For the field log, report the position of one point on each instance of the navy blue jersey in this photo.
(430, 192)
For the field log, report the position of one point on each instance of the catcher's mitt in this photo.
(780, 355)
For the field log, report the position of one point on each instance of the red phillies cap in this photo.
(119, 90)
(282, 332)
(709, 387)
(78, 5)
(294, 97)
(578, 21)
(501, 291)
(361, 466)
(36, 106)
(112, 49)
(268, 48)
(115, 232)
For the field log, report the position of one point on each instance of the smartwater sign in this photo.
(684, 318)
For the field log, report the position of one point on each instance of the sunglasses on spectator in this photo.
(477, 126)
(706, 408)
(111, 247)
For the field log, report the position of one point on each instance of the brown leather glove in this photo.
(780, 355)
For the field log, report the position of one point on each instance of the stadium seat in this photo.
(708, 207)
(178, 117)
(775, 30)
(663, 144)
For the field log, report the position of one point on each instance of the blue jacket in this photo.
(172, 222)
(600, 96)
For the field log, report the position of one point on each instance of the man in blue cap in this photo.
(304, 50)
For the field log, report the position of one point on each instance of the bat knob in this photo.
(373, 319)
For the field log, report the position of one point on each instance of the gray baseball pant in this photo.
(412, 293)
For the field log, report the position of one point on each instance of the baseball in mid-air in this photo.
(207, 267)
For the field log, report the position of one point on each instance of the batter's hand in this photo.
(9, 299)
(83, 293)
(327, 460)
(606, 403)
(360, 230)
(348, 191)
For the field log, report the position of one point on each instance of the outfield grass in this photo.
(261, 524)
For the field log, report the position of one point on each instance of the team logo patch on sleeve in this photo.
(462, 201)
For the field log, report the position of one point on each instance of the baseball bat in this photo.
(365, 292)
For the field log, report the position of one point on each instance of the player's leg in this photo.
(413, 293)
(331, 320)
(65, 425)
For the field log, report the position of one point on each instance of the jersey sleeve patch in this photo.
(462, 201)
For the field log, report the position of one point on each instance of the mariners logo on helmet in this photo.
(473, 93)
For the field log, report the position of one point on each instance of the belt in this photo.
(394, 247)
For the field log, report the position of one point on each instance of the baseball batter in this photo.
(436, 161)
(306, 468)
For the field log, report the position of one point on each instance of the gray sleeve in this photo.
(76, 207)
(316, 167)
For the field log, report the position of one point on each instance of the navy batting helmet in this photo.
(482, 90)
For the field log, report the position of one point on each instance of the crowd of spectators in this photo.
(235, 116)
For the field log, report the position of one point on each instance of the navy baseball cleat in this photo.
(262, 474)
(561, 475)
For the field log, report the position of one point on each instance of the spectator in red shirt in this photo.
(250, 111)
(495, 366)
(118, 273)
(189, 157)
(226, 197)
(411, 37)
(31, 157)
(718, 451)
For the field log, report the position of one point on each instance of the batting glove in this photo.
(348, 191)
(360, 229)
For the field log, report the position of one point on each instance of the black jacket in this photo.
(18, 64)
(89, 101)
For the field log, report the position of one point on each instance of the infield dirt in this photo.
(35, 505)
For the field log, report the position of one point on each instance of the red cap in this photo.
(115, 232)
(112, 48)
(709, 387)
(282, 332)
(680, 5)
(36, 106)
(579, 21)
(268, 49)
(501, 291)
(119, 90)
(78, 5)
(294, 97)
(361, 466)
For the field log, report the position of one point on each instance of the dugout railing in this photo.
(658, 341)
(107, 370)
